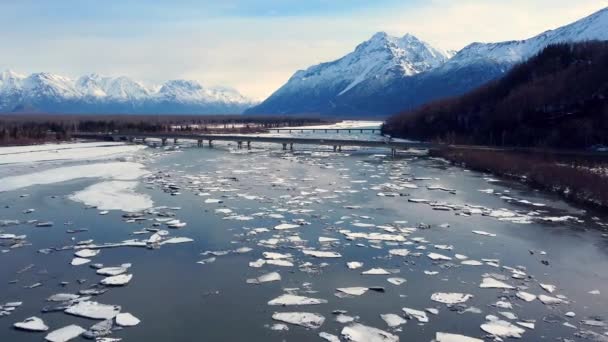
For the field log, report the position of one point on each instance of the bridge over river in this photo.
(246, 140)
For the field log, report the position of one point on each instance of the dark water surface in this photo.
(178, 299)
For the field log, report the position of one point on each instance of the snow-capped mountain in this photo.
(385, 75)
(593, 27)
(50, 93)
(380, 59)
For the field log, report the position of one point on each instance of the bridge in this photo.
(247, 140)
(324, 130)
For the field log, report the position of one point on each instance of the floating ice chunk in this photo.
(399, 252)
(570, 314)
(329, 337)
(481, 232)
(450, 297)
(65, 334)
(417, 314)
(275, 256)
(282, 263)
(393, 320)
(126, 320)
(79, 261)
(528, 297)
(304, 319)
(500, 328)
(491, 283)
(354, 265)
(396, 281)
(93, 310)
(32, 324)
(548, 300)
(62, 297)
(508, 315)
(265, 278)
(362, 333)
(323, 239)
(112, 271)
(207, 261)
(288, 299)
(353, 291)
(284, 226)
(376, 271)
(549, 288)
(343, 319)
(279, 327)
(100, 329)
(176, 240)
(594, 292)
(118, 280)
(437, 256)
(114, 195)
(446, 337)
(87, 253)
(528, 325)
(471, 262)
(322, 254)
(213, 201)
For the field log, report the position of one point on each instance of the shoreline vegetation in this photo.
(579, 179)
(530, 120)
(27, 129)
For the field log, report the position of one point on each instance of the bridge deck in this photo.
(258, 138)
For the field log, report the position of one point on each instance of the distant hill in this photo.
(386, 75)
(558, 98)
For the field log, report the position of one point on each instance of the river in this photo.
(428, 232)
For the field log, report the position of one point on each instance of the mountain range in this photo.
(51, 93)
(385, 74)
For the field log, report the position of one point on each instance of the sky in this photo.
(252, 46)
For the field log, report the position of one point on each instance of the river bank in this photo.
(577, 179)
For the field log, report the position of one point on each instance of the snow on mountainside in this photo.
(45, 92)
(593, 27)
(382, 56)
(379, 59)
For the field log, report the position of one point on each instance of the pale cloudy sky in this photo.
(253, 46)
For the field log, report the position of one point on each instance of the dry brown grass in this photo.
(575, 178)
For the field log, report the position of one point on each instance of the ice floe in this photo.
(304, 319)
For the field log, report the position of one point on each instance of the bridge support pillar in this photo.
(325, 131)
(210, 143)
(163, 141)
(335, 148)
(143, 140)
(239, 144)
(249, 145)
(175, 140)
(284, 146)
(289, 131)
(302, 131)
(337, 131)
(131, 139)
(291, 147)
(361, 131)
(393, 152)
(349, 131)
(373, 131)
(199, 143)
(277, 131)
(339, 148)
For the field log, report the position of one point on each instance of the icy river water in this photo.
(349, 246)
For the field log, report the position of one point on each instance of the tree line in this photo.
(558, 98)
(36, 128)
